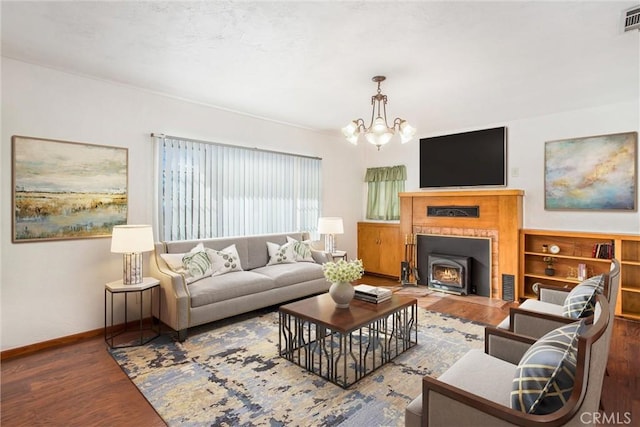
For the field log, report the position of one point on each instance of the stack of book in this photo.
(372, 293)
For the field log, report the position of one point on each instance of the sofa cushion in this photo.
(302, 249)
(581, 300)
(228, 286)
(280, 254)
(545, 375)
(535, 305)
(225, 260)
(290, 274)
(464, 374)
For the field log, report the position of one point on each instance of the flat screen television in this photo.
(468, 159)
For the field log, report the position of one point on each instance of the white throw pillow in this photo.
(301, 249)
(224, 261)
(280, 254)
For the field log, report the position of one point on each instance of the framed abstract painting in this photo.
(592, 173)
(66, 190)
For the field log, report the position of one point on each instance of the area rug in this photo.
(413, 292)
(230, 374)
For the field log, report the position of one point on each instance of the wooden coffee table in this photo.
(343, 345)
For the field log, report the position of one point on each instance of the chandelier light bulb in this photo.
(378, 132)
(407, 132)
(379, 126)
(353, 139)
(349, 130)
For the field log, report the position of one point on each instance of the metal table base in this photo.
(346, 358)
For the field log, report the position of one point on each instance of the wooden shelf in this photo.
(577, 248)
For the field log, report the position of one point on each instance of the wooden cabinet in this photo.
(380, 248)
(576, 248)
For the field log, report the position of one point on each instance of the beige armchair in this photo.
(535, 317)
(476, 390)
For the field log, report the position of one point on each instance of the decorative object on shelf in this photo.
(536, 288)
(330, 226)
(549, 271)
(603, 168)
(131, 241)
(554, 249)
(582, 271)
(340, 274)
(66, 190)
(545, 249)
(378, 132)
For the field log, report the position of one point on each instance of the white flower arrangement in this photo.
(343, 271)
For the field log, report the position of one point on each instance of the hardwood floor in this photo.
(81, 385)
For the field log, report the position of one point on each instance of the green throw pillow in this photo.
(197, 264)
(192, 265)
(545, 375)
(302, 250)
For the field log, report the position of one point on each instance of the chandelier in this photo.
(378, 132)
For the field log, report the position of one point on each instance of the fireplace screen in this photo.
(449, 273)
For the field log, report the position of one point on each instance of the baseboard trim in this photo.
(62, 341)
(45, 345)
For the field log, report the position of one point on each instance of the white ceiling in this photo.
(449, 65)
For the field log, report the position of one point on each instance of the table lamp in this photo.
(131, 241)
(330, 226)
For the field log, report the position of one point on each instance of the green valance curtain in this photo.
(389, 173)
(383, 186)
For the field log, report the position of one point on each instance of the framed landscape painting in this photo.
(593, 173)
(66, 190)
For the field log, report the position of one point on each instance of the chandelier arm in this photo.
(384, 106)
(373, 112)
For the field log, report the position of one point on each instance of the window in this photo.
(212, 190)
(383, 186)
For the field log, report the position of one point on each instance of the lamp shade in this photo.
(330, 225)
(131, 239)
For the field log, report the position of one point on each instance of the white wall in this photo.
(55, 289)
(526, 140)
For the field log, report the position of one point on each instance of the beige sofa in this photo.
(255, 280)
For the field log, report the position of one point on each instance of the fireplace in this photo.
(449, 273)
(499, 218)
(473, 253)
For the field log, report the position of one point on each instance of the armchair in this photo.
(478, 390)
(535, 317)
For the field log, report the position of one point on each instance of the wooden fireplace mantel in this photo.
(500, 217)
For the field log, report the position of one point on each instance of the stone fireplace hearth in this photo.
(493, 214)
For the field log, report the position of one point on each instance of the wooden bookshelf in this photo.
(578, 248)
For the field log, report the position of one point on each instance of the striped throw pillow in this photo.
(581, 301)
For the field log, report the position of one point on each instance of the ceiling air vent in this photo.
(632, 19)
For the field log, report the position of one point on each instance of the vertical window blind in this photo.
(383, 186)
(208, 190)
